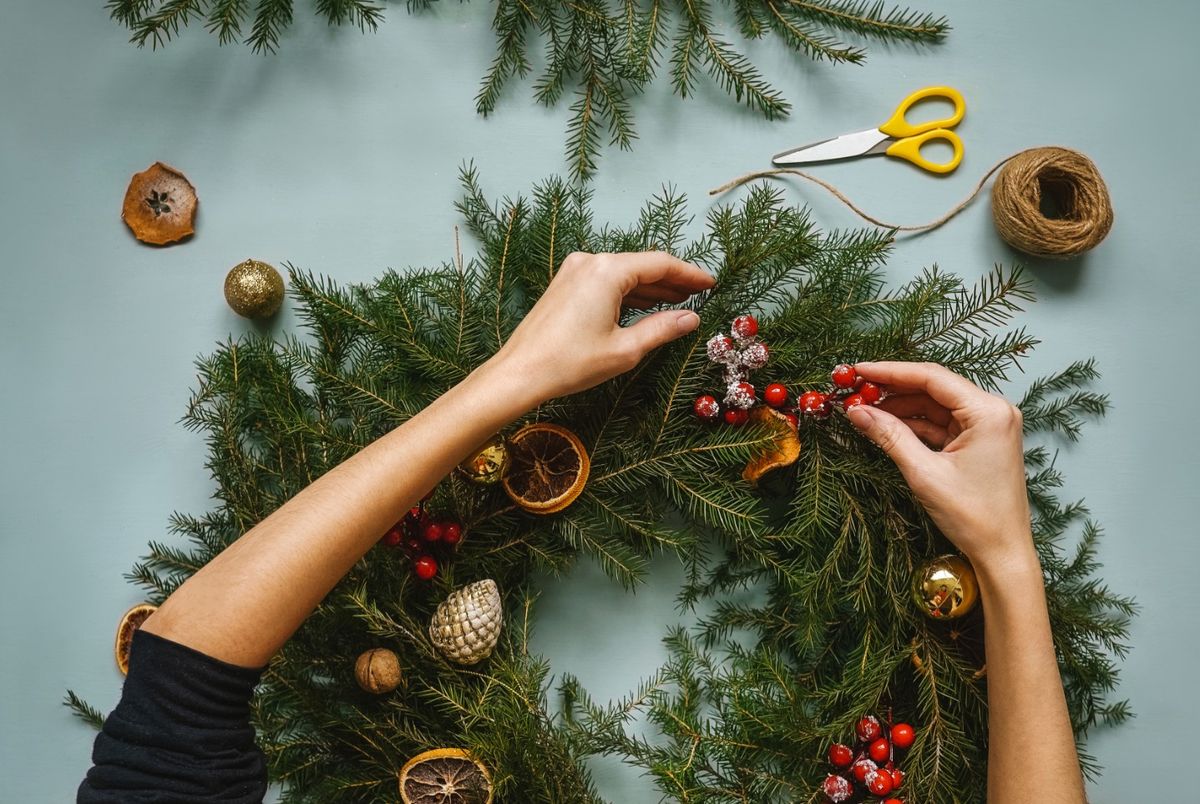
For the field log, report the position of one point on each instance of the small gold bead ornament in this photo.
(466, 626)
(945, 588)
(254, 289)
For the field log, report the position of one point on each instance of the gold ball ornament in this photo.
(486, 465)
(254, 289)
(945, 588)
(378, 671)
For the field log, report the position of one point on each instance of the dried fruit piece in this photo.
(160, 205)
(784, 450)
(445, 776)
(130, 621)
(547, 468)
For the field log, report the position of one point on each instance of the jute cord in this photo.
(1063, 178)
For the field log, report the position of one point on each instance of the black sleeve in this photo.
(180, 733)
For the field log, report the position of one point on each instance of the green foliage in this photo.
(602, 53)
(810, 622)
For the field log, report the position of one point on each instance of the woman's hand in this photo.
(571, 340)
(972, 482)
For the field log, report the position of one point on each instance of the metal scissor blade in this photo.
(843, 147)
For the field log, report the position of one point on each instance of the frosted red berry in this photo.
(862, 767)
(880, 750)
(720, 349)
(745, 326)
(425, 567)
(879, 782)
(868, 729)
(432, 531)
(840, 756)
(706, 408)
(844, 375)
(740, 395)
(903, 735)
(837, 788)
(755, 355)
(813, 403)
(736, 416)
(897, 778)
(775, 394)
(870, 392)
(452, 533)
(853, 401)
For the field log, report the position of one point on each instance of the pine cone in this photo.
(466, 626)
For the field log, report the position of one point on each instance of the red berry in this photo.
(736, 416)
(868, 729)
(393, 537)
(745, 326)
(813, 403)
(425, 567)
(740, 395)
(719, 349)
(707, 408)
(903, 735)
(775, 395)
(840, 756)
(792, 420)
(862, 767)
(844, 375)
(879, 782)
(755, 355)
(892, 801)
(870, 392)
(432, 531)
(837, 788)
(414, 514)
(880, 750)
(413, 545)
(852, 401)
(452, 533)
(897, 778)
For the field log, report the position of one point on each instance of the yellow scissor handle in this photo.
(898, 127)
(910, 148)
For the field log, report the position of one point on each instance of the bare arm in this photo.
(244, 604)
(973, 486)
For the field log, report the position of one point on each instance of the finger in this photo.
(651, 267)
(946, 387)
(891, 434)
(918, 404)
(932, 434)
(658, 328)
(658, 294)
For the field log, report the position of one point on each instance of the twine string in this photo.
(1064, 178)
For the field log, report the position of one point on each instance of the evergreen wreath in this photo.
(603, 52)
(750, 700)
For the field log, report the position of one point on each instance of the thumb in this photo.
(891, 434)
(652, 331)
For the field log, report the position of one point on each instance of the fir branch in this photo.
(84, 711)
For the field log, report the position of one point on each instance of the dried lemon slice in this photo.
(547, 468)
(131, 621)
(445, 776)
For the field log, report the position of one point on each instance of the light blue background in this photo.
(340, 155)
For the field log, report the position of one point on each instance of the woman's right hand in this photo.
(972, 481)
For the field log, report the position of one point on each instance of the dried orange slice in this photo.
(445, 776)
(160, 205)
(131, 621)
(783, 451)
(547, 468)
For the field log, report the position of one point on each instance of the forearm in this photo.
(244, 604)
(1031, 752)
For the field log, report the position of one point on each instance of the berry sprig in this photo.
(849, 390)
(869, 767)
(423, 537)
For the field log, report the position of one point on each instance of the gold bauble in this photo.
(254, 289)
(378, 671)
(945, 587)
(486, 465)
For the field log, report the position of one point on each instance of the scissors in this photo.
(897, 137)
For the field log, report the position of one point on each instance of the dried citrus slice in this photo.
(160, 205)
(547, 468)
(445, 776)
(131, 621)
(783, 451)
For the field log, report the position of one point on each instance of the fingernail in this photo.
(687, 321)
(859, 416)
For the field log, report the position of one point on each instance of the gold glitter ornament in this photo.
(466, 626)
(486, 465)
(945, 588)
(378, 671)
(254, 289)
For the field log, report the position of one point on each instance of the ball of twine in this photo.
(1051, 202)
